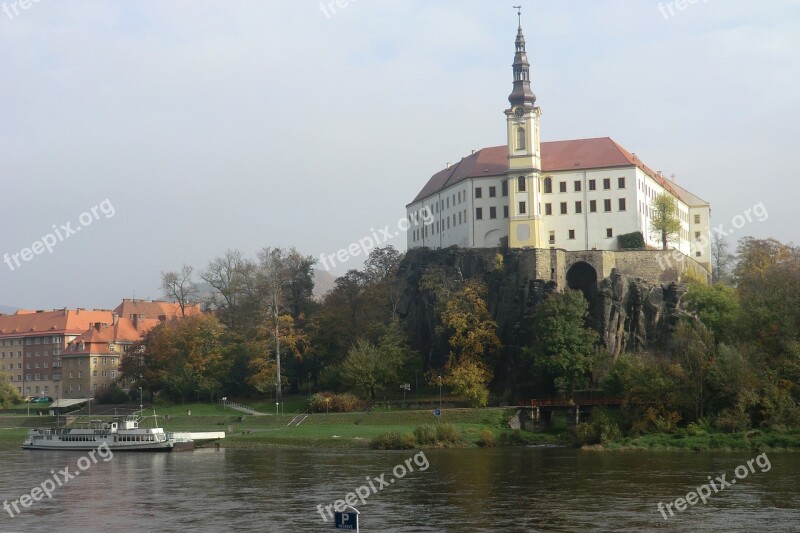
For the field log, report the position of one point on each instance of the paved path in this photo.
(244, 409)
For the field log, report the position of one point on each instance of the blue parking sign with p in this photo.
(346, 521)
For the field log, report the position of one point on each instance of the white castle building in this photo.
(573, 195)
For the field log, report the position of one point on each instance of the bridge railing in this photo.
(545, 402)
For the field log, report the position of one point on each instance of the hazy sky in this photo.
(242, 124)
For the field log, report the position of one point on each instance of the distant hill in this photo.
(323, 282)
(6, 310)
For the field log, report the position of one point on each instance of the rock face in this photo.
(631, 314)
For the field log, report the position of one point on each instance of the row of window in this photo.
(32, 340)
(493, 189)
(577, 185)
(44, 353)
(440, 225)
(622, 205)
(492, 212)
(571, 235)
(37, 377)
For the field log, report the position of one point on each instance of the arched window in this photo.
(521, 184)
(548, 185)
(520, 138)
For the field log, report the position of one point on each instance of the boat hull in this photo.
(87, 446)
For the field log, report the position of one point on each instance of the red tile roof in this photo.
(63, 321)
(579, 154)
(154, 309)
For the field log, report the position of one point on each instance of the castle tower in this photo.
(524, 154)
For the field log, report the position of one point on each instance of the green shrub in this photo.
(426, 435)
(448, 434)
(335, 403)
(601, 428)
(517, 437)
(486, 438)
(394, 441)
(631, 241)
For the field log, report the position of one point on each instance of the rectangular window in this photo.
(578, 186)
(504, 188)
(478, 216)
(623, 204)
(492, 192)
(505, 211)
(606, 183)
(607, 205)
(592, 185)
(552, 237)
(621, 183)
(521, 184)
(563, 208)
(522, 210)
(696, 237)
(492, 214)
(478, 194)
(609, 233)
(571, 237)
(697, 219)
(562, 186)
(548, 210)
(592, 208)
(697, 254)
(578, 207)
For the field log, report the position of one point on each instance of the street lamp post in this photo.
(141, 403)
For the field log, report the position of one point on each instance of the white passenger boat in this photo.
(118, 435)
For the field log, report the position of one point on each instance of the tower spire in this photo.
(522, 95)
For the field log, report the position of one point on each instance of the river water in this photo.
(521, 489)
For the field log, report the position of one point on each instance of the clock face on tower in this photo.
(519, 112)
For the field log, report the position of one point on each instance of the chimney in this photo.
(114, 318)
(135, 319)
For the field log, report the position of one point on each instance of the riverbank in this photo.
(754, 440)
(404, 429)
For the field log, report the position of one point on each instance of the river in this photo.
(464, 490)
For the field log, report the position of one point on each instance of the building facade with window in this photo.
(70, 353)
(572, 195)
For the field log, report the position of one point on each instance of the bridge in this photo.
(540, 412)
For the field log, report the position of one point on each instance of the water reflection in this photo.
(462, 490)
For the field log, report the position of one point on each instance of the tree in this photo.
(8, 393)
(563, 346)
(694, 349)
(650, 389)
(665, 222)
(180, 287)
(721, 259)
(716, 306)
(373, 366)
(262, 365)
(179, 357)
(473, 342)
(226, 275)
(284, 282)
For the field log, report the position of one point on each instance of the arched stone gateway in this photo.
(583, 277)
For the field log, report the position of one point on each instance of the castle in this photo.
(573, 196)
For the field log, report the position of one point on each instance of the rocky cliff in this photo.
(631, 314)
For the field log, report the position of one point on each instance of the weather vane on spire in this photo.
(519, 14)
